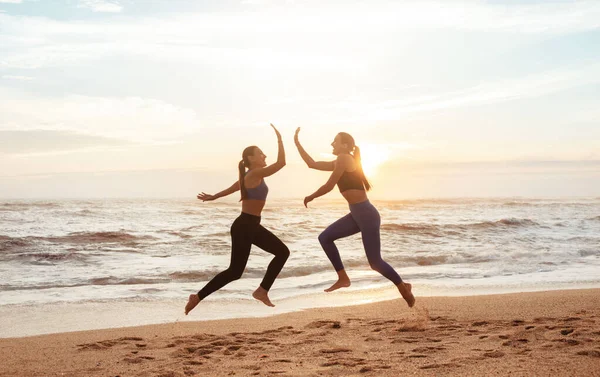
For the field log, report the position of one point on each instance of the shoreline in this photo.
(535, 333)
(66, 317)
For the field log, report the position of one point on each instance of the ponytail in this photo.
(242, 173)
(358, 162)
(243, 164)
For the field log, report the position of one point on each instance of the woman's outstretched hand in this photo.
(296, 136)
(276, 132)
(205, 197)
(307, 200)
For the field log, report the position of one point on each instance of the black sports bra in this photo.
(350, 181)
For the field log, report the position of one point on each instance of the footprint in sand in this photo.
(494, 354)
(330, 363)
(444, 365)
(380, 322)
(345, 362)
(404, 340)
(335, 350)
(137, 360)
(324, 324)
(592, 353)
(428, 349)
(164, 373)
(415, 327)
(106, 344)
(570, 342)
(193, 362)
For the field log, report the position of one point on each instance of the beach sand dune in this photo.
(554, 333)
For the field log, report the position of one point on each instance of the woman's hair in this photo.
(345, 138)
(244, 163)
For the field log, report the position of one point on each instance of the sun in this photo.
(372, 157)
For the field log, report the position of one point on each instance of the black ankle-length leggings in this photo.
(245, 232)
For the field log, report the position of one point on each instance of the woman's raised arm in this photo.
(318, 165)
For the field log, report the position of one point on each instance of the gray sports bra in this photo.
(259, 192)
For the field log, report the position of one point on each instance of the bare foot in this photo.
(406, 292)
(192, 302)
(341, 283)
(262, 295)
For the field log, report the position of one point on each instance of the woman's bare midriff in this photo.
(253, 206)
(355, 196)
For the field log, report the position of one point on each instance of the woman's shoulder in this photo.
(345, 161)
(251, 177)
(344, 158)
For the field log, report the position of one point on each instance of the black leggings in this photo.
(245, 232)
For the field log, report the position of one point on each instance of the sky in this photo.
(158, 98)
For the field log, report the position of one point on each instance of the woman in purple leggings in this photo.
(347, 173)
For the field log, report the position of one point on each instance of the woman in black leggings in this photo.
(246, 229)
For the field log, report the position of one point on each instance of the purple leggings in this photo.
(363, 218)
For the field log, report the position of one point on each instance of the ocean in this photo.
(69, 265)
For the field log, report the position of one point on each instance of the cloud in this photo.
(101, 6)
(11, 1)
(128, 118)
(41, 142)
(33, 42)
(22, 78)
(361, 109)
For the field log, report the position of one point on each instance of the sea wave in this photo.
(111, 280)
(589, 253)
(176, 233)
(11, 243)
(84, 213)
(518, 204)
(439, 230)
(14, 206)
(97, 237)
(193, 227)
(46, 258)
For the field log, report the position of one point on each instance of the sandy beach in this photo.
(525, 334)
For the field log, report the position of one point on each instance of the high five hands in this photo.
(276, 132)
(309, 198)
(208, 197)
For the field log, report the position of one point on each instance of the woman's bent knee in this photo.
(323, 238)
